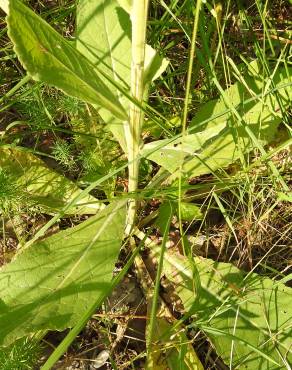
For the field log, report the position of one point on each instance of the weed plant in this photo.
(11, 196)
(192, 167)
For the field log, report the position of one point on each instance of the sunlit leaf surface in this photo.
(42, 186)
(52, 283)
(49, 58)
(104, 36)
(247, 317)
(218, 138)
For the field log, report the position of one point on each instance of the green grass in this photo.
(22, 355)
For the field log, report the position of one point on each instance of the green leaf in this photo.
(49, 58)
(155, 65)
(72, 334)
(44, 187)
(171, 348)
(285, 197)
(172, 153)
(165, 212)
(190, 212)
(104, 37)
(252, 311)
(219, 139)
(52, 283)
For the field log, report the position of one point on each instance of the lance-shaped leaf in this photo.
(247, 317)
(44, 187)
(171, 153)
(104, 37)
(219, 138)
(52, 283)
(49, 58)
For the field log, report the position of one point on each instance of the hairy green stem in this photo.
(139, 22)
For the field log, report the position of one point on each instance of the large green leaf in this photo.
(247, 317)
(253, 85)
(44, 187)
(104, 37)
(52, 283)
(172, 153)
(219, 138)
(49, 58)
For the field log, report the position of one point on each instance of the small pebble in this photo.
(101, 359)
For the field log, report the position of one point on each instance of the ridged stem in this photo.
(139, 23)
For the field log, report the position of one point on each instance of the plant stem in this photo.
(155, 299)
(186, 107)
(190, 66)
(139, 23)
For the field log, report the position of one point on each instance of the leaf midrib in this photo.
(89, 246)
(75, 51)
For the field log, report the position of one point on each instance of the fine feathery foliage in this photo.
(42, 186)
